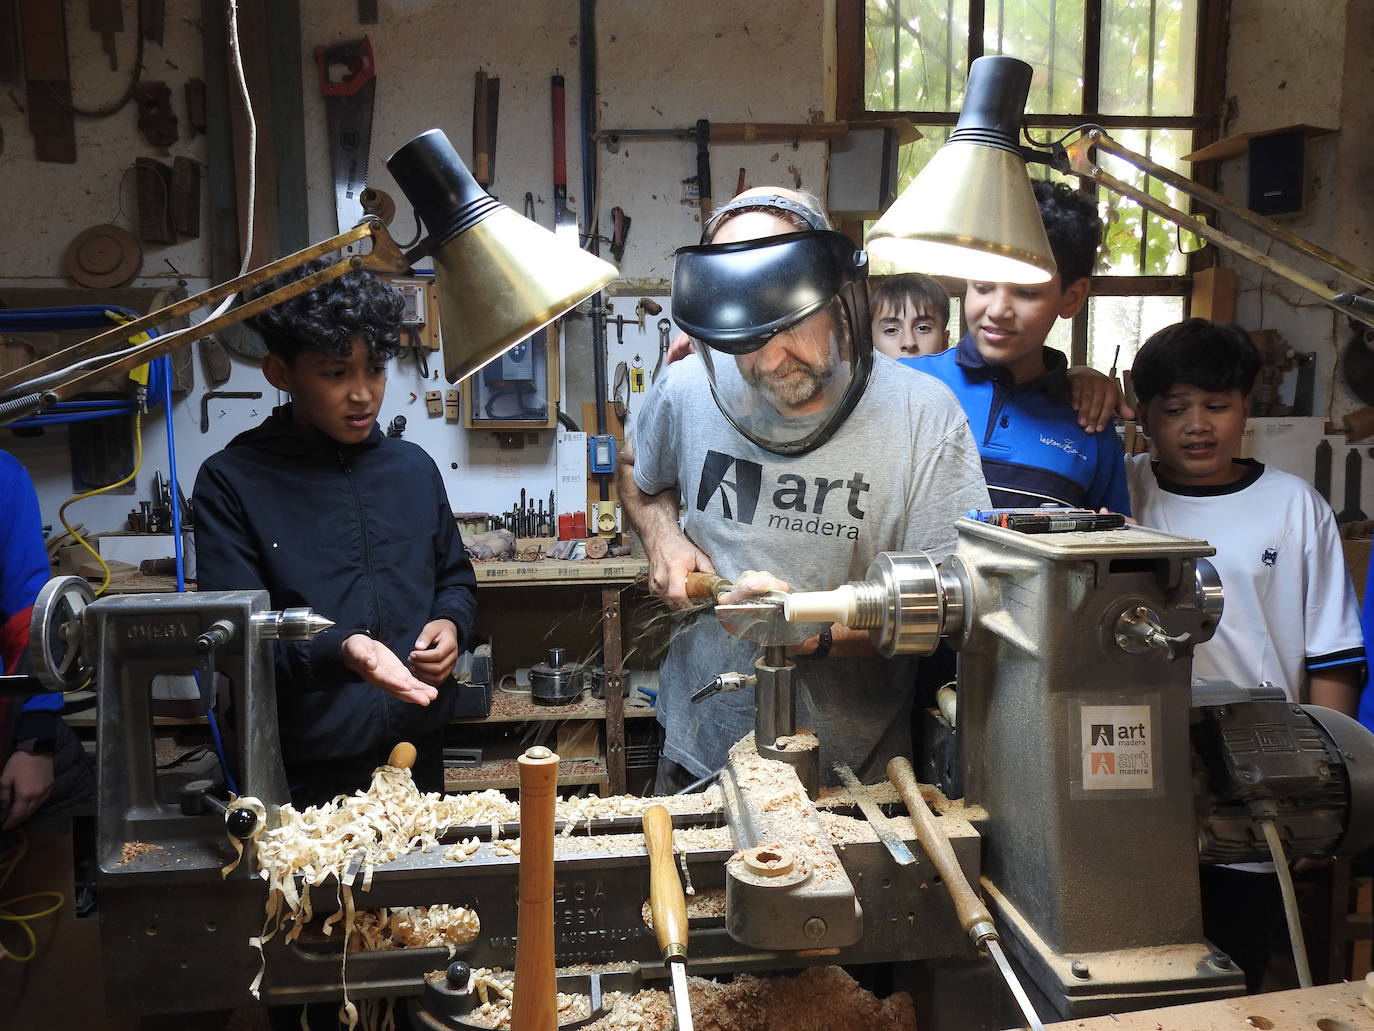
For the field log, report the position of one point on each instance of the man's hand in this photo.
(681, 347)
(750, 584)
(671, 558)
(379, 666)
(1095, 397)
(24, 786)
(436, 652)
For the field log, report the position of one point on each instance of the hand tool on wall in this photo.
(564, 221)
(1321, 478)
(620, 232)
(348, 108)
(210, 395)
(664, 326)
(704, 169)
(1352, 511)
(669, 907)
(973, 915)
(485, 103)
(535, 1004)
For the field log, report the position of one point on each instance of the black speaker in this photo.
(1276, 173)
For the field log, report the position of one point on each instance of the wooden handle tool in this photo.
(402, 756)
(707, 586)
(534, 1006)
(973, 915)
(669, 907)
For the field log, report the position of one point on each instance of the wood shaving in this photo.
(494, 990)
(133, 849)
(766, 1004)
(414, 927)
(351, 835)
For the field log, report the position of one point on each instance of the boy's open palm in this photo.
(380, 667)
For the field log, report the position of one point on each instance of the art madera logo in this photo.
(819, 506)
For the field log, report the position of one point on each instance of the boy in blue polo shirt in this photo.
(1015, 390)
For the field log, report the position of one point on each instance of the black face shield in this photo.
(791, 314)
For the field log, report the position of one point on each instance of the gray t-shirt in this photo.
(894, 477)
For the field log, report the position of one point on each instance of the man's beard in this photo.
(793, 390)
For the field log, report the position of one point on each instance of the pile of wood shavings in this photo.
(818, 999)
(355, 833)
(133, 849)
(494, 990)
(414, 927)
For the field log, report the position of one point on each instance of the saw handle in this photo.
(706, 586)
(973, 916)
(356, 56)
(667, 901)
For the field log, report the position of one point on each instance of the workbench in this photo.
(1327, 1007)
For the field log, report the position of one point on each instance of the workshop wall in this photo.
(1316, 71)
(659, 66)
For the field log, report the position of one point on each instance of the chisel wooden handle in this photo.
(402, 756)
(535, 1004)
(973, 915)
(706, 586)
(666, 899)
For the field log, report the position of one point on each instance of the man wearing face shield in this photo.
(798, 458)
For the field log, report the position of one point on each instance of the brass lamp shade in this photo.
(499, 275)
(969, 214)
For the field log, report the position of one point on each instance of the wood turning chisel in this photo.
(973, 915)
(668, 904)
(877, 819)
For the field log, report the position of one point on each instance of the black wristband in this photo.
(823, 643)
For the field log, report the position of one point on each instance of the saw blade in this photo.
(350, 137)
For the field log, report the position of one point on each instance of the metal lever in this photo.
(1138, 630)
(725, 682)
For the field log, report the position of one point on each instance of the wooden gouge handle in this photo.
(402, 756)
(706, 586)
(973, 915)
(667, 901)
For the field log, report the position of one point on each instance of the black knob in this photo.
(556, 656)
(241, 822)
(458, 975)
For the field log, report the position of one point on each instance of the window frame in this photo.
(1205, 123)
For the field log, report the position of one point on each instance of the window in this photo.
(1150, 71)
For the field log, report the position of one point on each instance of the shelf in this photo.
(510, 707)
(505, 773)
(549, 572)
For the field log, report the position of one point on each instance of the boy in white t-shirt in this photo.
(1291, 618)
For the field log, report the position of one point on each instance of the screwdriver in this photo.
(669, 907)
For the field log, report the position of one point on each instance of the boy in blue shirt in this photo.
(1015, 390)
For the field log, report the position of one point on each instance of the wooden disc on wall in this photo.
(102, 257)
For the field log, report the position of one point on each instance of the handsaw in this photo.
(564, 221)
(348, 83)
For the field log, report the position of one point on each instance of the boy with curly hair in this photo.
(318, 507)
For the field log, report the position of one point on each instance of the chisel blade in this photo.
(681, 1007)
(999, 957)
(876, 818)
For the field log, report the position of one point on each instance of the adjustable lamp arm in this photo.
(42, 383)
(1075, 158)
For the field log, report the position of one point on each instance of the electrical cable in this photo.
(118, 105)
(9, 861)
(62, 512)
(1290, 903)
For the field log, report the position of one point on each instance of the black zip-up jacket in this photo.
(364, 535)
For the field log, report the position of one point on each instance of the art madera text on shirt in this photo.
(820, 506)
